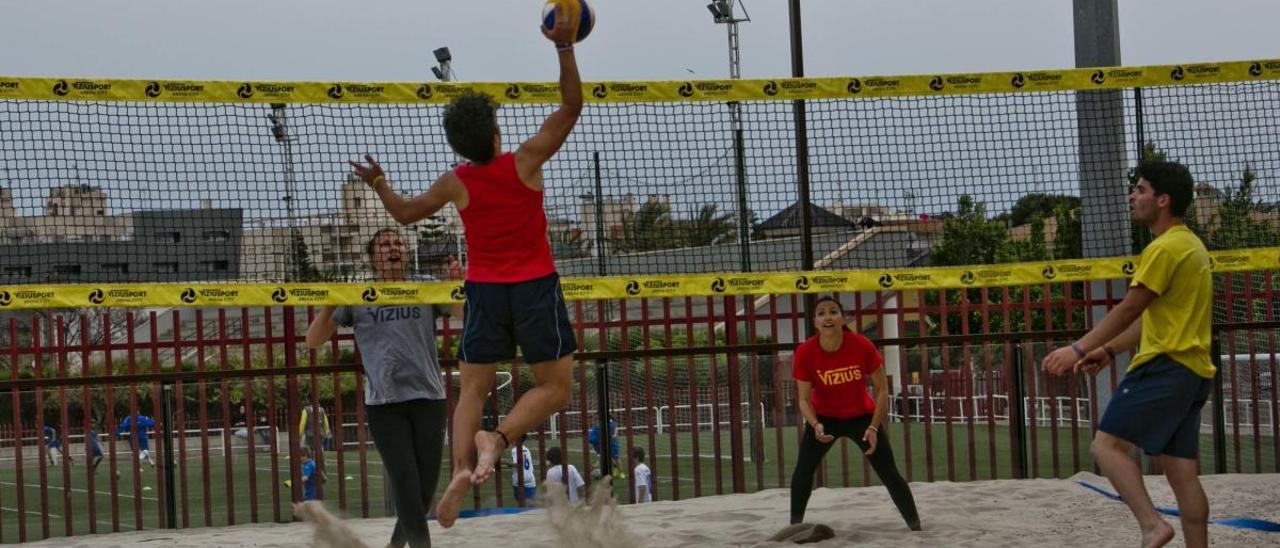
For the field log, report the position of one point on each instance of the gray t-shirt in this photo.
(398, 348)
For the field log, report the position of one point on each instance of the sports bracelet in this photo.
(564, 47)
(1109, 351)
(1079, 350)
(873, 427)
(377, 181)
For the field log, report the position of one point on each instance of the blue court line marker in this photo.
(482, 512)
(1239, 523)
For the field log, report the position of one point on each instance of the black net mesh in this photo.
(151, 192)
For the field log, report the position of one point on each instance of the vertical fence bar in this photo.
(989, 375)
(164, 483)
(1017, 413)
(250, 420)
(714, 387)
(905, 382)
(734, 374)
(779, 415)
(628, 404)
(16, 395)
(1050, 384)
(339, 433)
(202, 415)
(1270, 297)
(650, 408)
(926, 389)
(694, 427)
(273, 431)
(180, 393)
(169, 503)
(229, 490)
(293, 410)
(89, 418)
(1228, 279)
(968, 409)
(1219, 408)
(62, 434)
(755, 399)
(947, 415)
(109, 397)
(362, 440)
(580, 311)
(672, 407)
(1250, 338)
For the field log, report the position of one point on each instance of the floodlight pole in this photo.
(723, 13)
(279, 118)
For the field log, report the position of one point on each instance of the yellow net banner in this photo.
(614, 287)
(850, 87)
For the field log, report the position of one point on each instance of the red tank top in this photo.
(505, 225)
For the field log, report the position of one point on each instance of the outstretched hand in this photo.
(368, 173)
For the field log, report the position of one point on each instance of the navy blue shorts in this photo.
(1157, 407)
(500, 316)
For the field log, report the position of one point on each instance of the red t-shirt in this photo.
(839, 378)
(505, 225)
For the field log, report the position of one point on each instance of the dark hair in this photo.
(638, 453)
(553, 456)
(470, 122)
(1172, 179)
(813, 314)
(369, 247)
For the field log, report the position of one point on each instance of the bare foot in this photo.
(487, 455)
(1157, 536)
(451, 501)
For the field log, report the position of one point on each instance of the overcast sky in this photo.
(497, 40)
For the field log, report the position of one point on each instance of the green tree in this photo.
(570, 244)
(1069, 243)
(708, 227)
(969, 237)
(301, 267)
(649, 228)
(1237, 226)
(1043, 204)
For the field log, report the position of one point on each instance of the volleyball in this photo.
(576, 9)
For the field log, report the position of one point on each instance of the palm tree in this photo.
(708, 228)
(648, 229)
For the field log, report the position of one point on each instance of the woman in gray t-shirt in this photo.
(404, 392)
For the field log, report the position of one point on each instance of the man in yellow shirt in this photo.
(1157, 405)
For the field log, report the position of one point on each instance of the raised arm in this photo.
(446, 189)
(555, 130)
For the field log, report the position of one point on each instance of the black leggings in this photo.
(812, 451)
(409, 436)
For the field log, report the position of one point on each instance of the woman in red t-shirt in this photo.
(831, 371)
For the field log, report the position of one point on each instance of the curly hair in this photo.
(470, 122)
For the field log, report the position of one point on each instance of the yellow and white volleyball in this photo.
(577, 10)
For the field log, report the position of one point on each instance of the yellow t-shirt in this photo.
(1176, 267)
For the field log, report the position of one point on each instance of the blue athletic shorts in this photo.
(500, 316)
(1157, 407)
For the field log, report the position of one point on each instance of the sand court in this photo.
(983, 513)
